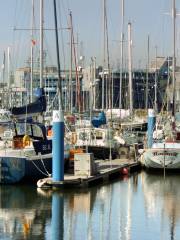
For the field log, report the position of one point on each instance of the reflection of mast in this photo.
(69, 216)
(110, 211)
(128, 224)
(102, 206)
(172, 228)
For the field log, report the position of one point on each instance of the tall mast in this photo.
(168, 80)
(71, 56)
(3, 68)
(32, 46)
(59, 86)
(3, 80)
(94, 83)
(155, 85)
(104, 35)
(8, 67)
(130, 69)
(147, 75)
(41, 42)
(174, 54)
(121, 54)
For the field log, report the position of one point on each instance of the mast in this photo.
(147, 76)
(112, 90)
(8, 66)
(32, 48)
(59, 86)
(168, 80)
(174, 55)
(104, 27)
(130, 68)
(121, 54)
(41, 42)
(71, 56)
(3, 81)
(155, 85)
(58, 120)
(94, 83)
(8, 77)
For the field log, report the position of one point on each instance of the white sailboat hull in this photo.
(160, 158)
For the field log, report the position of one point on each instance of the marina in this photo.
(89, 120)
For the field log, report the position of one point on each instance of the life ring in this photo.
(73, 138)
(26, 141)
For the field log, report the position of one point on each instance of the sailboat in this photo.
(164, 153)
(26, 154)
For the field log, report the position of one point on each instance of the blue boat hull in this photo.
(12, 169)
(19, 169)
(36, 169)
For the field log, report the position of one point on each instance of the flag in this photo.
(33, 42)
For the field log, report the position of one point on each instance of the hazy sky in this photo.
(146, 16)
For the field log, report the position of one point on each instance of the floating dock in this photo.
(103, 171)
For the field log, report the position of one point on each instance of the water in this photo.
(142, 206)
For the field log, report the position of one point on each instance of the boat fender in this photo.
(125, 171)
(26, 141)
(73, 138)
(43, 183)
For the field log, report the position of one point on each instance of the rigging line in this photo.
(44, 166)
(160, 93)
(39, 169)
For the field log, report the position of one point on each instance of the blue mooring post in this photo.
(58, 146)
(151, 125)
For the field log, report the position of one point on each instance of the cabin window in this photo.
(37, 132)
(23, 129)
(99, 135)
(83, 136)
(6, 131)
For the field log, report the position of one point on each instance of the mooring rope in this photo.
(45, 174)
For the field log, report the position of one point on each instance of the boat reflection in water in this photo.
(23, 213)
(162, 202)
(138, 207)
(96, 213)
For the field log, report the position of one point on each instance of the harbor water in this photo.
(141, 206)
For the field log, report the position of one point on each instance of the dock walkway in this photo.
(105, 171)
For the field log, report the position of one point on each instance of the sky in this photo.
(147, 18)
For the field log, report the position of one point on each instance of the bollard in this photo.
(58, 146)
(151, 125)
